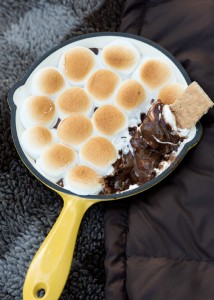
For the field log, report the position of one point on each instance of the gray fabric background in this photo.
(27, 208)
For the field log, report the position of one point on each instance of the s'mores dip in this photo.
(103, 120)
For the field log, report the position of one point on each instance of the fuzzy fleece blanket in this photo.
(29, 28)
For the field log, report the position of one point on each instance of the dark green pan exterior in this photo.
(125, 194)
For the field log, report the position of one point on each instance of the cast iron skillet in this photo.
(50, 267)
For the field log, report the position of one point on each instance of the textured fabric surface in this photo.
(160, 244)
(27, 208)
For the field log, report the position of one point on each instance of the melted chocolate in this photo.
(152, 142)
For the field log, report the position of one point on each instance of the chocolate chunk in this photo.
(132, 130)
(95, 50)
(142, 117)
(57, 123)
(60, 182)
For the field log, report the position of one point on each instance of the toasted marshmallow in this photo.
(102, 85)
(56, 160)
(38, 110)
(170, 92)
(99, 154)
(47, 81)
(77, 63)
(73, 101)
(130, 95)
(83, 180)
(36, 139)
(75, 130)
(154, 73)
(109, 120)
(120, 56)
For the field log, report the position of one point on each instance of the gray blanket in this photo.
(28, 28)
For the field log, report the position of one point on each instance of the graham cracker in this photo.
(191, 106)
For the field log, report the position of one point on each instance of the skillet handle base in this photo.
(49, 269)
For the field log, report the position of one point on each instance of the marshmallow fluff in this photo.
(169, 117)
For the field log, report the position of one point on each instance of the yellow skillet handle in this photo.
(48, 272)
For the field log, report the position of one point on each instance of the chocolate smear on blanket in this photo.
(152, 142)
